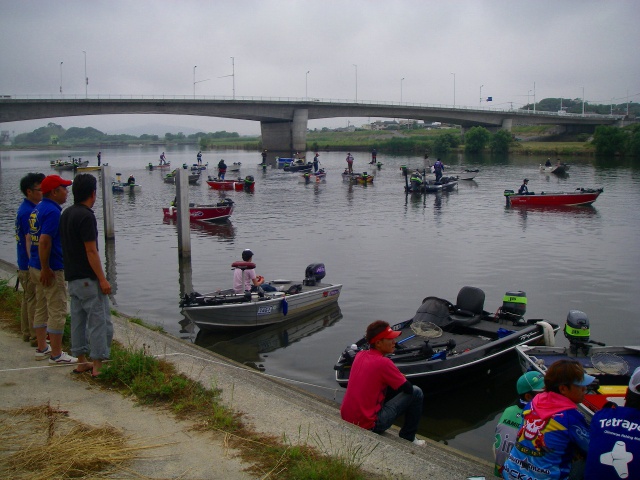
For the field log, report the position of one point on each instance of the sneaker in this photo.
(419, 443)
(63, 359)
(43, 355)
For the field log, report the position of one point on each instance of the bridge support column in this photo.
(507, 123)
(286, 136)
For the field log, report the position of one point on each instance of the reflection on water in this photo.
(248, 348)
(223, 229)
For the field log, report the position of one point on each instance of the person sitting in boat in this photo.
(251, 280)
(614, 452)
(222, 169)
(554, 435)
(547, 163)
(372, 374)
(163, 159)
(438, 168)
(528, 386)
(131, 180)
(524, 190)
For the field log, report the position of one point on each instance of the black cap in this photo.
(246, 254)
(526, 179)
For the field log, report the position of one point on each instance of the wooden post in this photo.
(182, 198)
(107, 203)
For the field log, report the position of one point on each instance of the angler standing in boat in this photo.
(316, 162)
(371, 375)
(222, 169)
(99, 157)
(199, 157)
(163, 159)
(438, 168)
(350, 162)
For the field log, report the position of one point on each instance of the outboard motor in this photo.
(313, 274)
(514, 306)
(577, 331)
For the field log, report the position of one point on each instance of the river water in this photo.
(389, 252)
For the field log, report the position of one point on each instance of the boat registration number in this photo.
(265, 310)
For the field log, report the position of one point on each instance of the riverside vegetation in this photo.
(156, 383)
(526, 140)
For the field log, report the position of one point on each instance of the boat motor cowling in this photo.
(313, 274)
(576, 329)
(514, 305)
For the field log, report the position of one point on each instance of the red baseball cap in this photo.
(386, 333)
(51, 182)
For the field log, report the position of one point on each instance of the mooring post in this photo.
(182, 205)
(107, 203)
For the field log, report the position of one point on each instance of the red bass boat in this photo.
(247, 184)
(581, 196)
(204, 213)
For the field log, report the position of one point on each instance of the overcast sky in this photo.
(140, 47)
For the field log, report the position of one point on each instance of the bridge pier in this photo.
(507, 123)
(287, 136)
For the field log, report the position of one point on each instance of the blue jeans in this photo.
(91, 327)
(410, 405)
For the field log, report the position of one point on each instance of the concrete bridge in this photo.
(283, 121)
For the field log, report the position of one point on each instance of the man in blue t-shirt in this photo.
(614, 450)
(46, 269)
(30, 188)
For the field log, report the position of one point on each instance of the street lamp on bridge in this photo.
(401, 80)
(194, 81)
(356, 81)
(528, 93)
(233, 76)
(61, 77)
(481, 94)
(86, 79)
(306, 84)
(454, 88)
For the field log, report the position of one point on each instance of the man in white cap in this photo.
(528, 386)
(614, 450)
(372, 373)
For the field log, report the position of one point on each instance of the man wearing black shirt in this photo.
(88, 286)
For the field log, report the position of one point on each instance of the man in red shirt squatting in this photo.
(371, 375)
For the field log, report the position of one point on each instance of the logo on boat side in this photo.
(265, 310)
(330, 293)
(527, 336)
(197, 213)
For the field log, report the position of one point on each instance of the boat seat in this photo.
(469, 308)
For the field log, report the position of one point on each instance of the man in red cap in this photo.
(372, 373)
(46, 269)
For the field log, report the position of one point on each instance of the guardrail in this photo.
(298, 100)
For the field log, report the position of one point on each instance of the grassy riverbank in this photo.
(157, 383)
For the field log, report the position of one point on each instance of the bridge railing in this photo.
(299, 100)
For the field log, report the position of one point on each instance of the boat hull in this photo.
(119, 187)
(64, 166)
(202, 213)
(260, 312)
(90, 168)
(583, 197)
(237, 185)
(476, 358)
